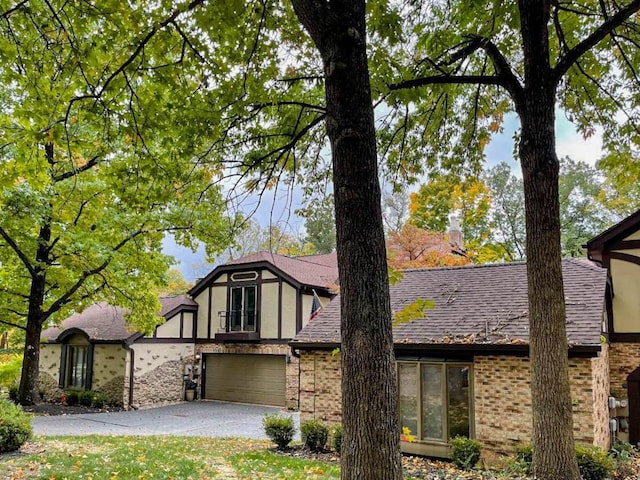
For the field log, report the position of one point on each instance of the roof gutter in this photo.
(521, 349)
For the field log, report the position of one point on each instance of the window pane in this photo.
(77, 370)
(235, 317)
(432, 401)
(459, 401)
(250, 308)
(408, 397)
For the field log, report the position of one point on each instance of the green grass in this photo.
(266, 464)
(160, 457)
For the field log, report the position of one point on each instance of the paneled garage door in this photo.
(258, 379)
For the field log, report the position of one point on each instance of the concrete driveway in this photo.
(197, 419)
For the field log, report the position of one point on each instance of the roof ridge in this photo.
(461, 267)
(584, 263)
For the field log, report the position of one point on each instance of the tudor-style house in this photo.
(248, 311)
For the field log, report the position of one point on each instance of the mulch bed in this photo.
(61, 409)
(413, 466)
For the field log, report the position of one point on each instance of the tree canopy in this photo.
(102, 154)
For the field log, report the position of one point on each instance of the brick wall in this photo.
(292, 368)
(502, 398)
(320, 390)
(624, 358)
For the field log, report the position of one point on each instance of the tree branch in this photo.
(310, 106)
(139, 48)
(14, 325)
(71, 173)
(17, 6)
(504, 76)
(599, 34)
(449, 79)
(21, 255)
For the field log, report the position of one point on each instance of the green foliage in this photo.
(13, 393)
(414, 311)
(622, 451)
(85, 398)
(594, 463)
(72, 397)
(314, 434)
(465, 452)
(10, 368)
(320, 225)
(174, 283)
(15, 426)
(279, 429)
(336, 437)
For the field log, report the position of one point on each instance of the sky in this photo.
(277, 207)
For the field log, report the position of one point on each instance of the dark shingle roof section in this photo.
(316, 271)
(102, 322)
(177, 302)
(485, 304)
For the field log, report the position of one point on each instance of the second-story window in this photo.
(243, 309)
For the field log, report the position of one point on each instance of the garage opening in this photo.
(246, 378)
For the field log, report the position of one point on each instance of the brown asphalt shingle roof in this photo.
(102, 322)
(483, 304)
(311, 270)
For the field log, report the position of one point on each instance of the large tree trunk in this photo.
(28, 392)
(553, 454)
(369, 385)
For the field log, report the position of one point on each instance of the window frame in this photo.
(428, 445)
(67, 365)
(243, 309)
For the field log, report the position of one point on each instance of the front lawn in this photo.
(160, 457)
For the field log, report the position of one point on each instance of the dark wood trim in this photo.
(258, 312)
(622, 229)
(181, 324)
(88, 380)
(624, 337)
(298, 310)
(625, 245)
(633, 396)
(209, 311)
(608, 298)
(625, 257)
(238, 337)
(164, 340)
(180, 308)
(261, 265)
(280, 308)
(194, 325)
(262, 341)
(63, 365)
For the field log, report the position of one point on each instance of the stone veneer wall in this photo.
(502, 398)
(158, 372)
(108, 371)
(624, 358)
(292, 380)
(50, 371)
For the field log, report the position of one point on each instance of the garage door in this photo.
(258, 379)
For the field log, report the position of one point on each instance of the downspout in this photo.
(132, 359)
(295, 353)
